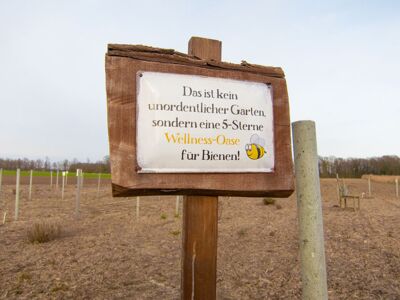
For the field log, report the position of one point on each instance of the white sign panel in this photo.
(188, 123)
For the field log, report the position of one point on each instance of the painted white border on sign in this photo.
(196, 124)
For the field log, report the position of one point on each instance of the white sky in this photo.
(341, 60)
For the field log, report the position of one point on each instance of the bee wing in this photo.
(254, 139)
(261, 142)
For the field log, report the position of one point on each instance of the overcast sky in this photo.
(341, 59)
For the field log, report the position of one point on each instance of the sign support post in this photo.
(200, 218)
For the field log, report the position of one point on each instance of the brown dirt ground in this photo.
(109, 254)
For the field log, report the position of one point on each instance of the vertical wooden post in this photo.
(137, 207)
(57, 179)
(17, 196)
(51, 179)
(63, 186)
(78, 193)
(396, 181)
(338, 189)
(177, 206)
(309, 208)
(66, 177)
(200, 218)
(30, 185)
(369, 186)
(98, 186)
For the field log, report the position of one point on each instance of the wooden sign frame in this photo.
(123, 62)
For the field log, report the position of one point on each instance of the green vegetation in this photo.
(47, 174)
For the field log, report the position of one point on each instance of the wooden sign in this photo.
(179, 124)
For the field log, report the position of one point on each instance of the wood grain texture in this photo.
(200, 219)
(121, 105)
(170, 56)
(199, 247)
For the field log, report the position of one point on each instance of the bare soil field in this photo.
(110, 254)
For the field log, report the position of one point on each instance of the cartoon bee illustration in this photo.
(255, 150)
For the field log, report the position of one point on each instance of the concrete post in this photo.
(312, 250)
(17, 195)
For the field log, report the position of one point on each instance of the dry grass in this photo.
(43, 232)
(269, 201)
(381, 178)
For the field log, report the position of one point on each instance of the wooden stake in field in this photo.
(30, 185)
(309, 208)
(369, 186)
(17, 195)
(338, 188)
(63, 185)
(51, 179)
(98, 186)
(57, 180)
(137, 207)
(397, 187)
(200, 217)
(66, 177)
(78, 192)
(177, 206)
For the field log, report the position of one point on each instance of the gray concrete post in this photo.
(17, 195)
(309, 208)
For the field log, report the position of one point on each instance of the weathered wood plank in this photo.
(121, 94)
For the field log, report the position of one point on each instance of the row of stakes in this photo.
(396, 182)
(79, 187)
